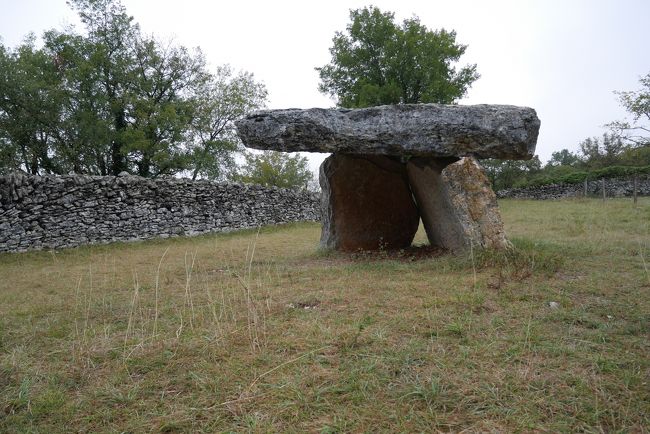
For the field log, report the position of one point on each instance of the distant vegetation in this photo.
(278, 169)
(624, 151)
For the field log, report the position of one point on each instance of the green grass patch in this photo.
(258, 331)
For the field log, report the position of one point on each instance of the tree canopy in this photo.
(279, 169)
(377, 61)
(607, 155)
(113, 99)
(637, 104)
(221, 101)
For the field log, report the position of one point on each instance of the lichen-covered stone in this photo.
(456, 203)
(477, 211)
(431, 130)
(366, 204)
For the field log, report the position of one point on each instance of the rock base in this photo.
(368, 203)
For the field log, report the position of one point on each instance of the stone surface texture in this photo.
(39, 212)
(433, 130)
(438, 212)
(366, 203)
(474, 204)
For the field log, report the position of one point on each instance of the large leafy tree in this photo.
(220, 101)
(377, 61)
(163, 103)
(279, 169)
(108, 61)
(112, 99)
(30, 103)
(142, 88)
(85, 128)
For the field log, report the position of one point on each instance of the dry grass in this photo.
(260, 332)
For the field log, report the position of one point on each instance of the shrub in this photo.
(578, 177)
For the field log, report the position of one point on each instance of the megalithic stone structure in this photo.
(393, 164)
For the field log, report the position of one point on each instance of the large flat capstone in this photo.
(421, 130)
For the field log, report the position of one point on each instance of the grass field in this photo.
(259, 331)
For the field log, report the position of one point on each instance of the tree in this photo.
(590, 150)
(85, 132)
(612, 148)
(635, 156)
(30, 103)
(144, 86)
(279, 169)
(110, 35)
(597, 154)
(511, 173)
(221, 101)
(563, 158)
(377, 61)
(113, 100)
(637, 104)
(162, 103)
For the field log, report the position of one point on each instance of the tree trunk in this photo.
(144, 167)
(101, 164)
(118, 160)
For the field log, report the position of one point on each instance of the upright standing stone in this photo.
(438, 211)
(457, 204)
(366, 203)
(471, 193)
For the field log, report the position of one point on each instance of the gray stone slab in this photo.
(456, 203)
(425, 130)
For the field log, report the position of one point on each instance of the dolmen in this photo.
(392, 165)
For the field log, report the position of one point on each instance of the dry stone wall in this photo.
(614, 187)
(45, 212)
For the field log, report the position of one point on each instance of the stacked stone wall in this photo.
(614, 187)
(48, 212)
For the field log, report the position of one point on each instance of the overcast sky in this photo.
(564, 58)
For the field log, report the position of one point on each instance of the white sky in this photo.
(562, 57)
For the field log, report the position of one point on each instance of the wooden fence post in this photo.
(604, 190)
(634, 189)
(585, 187)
